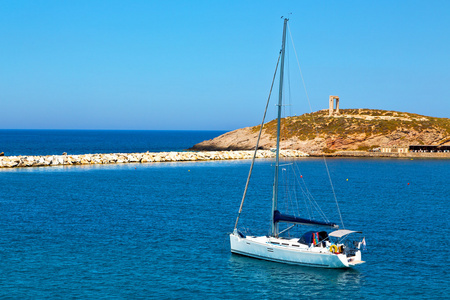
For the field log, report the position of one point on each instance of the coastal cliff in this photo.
(352, 129)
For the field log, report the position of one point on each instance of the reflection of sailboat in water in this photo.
(300, 281)
(314, 248)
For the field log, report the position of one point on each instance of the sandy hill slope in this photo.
(352, 129)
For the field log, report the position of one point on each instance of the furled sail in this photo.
(279, 217)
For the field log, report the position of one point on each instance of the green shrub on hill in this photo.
(370, 122)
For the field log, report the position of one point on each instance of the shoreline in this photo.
(23, 161)
(383, 154)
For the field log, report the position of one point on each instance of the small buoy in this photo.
(189, 170)
(408, 183)
(301, 176)
(347, 179)
(412, 159)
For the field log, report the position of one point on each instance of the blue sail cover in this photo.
(308, 239)
(279, 217)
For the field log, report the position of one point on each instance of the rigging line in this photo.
(289, 79)
(290, 193)
(257, 143)
(309, 204)
(311, 197)
(315, 205)
(286, 189)
(294, 190)
(315, 127)
(307, 195)
(305, 198)
(293, 195)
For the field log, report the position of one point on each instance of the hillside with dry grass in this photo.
(352, 129)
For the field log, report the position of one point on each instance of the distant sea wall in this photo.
(147, 157)
(155, 157)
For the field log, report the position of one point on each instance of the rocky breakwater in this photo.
(147, 157)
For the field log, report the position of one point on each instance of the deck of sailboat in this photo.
(287, 244)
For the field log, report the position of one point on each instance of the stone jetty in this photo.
(147, 157)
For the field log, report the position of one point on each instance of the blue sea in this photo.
(160, 231)
(56, 142)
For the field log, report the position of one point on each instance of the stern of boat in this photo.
(353, 256)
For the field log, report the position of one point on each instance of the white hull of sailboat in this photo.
(289, 252)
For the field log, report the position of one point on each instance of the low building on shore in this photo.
(395, 149)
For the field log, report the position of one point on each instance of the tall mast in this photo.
(274, 230)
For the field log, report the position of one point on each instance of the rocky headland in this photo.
(352, 130)
(351, 133)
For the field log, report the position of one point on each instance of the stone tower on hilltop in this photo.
(332, 111)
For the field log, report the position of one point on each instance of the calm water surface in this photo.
(55, 142)
(160, 231)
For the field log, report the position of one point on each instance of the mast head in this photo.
(286, 18)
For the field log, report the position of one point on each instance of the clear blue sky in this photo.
(199, 65)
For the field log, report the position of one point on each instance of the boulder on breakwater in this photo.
(147, 157)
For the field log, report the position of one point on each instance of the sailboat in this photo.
(322, 249)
